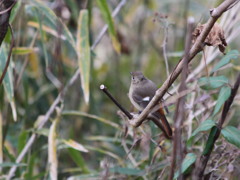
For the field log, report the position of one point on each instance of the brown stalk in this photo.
(179, 112)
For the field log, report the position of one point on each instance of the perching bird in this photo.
(140, 94)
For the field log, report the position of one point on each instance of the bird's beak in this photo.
(131, 73)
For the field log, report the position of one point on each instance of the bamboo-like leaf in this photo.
(100, 119)
(52, 149)
(10, 164)
(83, 52)
(22, 50)
(46, 29)
(127, 171)
(75, 145)
(8, 79)
(15, 10)
(78, 159)
(109, 20)
(49, 19)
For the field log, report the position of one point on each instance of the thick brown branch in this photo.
(196, 48)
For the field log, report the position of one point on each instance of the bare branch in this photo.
(179, 113)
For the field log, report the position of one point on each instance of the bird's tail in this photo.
(165, 125)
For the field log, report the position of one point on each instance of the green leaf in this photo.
(78, 159)
(22, 50)
(233, 54)
(83, 52)
(22, 140)
(232, 135)
(10, 164)
(75, 145)
(83, 114)
(8, 79)
(49, 18)
(15, 10)
(222, 97)
(127, 171)
(212, 82)
(210, 141)
(204, 126)
(187, 162)
(109, 20)
(42, 35)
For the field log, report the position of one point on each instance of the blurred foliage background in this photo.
(53, 39)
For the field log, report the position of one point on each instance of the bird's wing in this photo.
(140, 100)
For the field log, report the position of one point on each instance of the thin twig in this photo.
(104, 89)
(164, 48)
(197, 47)
(9, 56)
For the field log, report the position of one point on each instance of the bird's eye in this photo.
(132, 77)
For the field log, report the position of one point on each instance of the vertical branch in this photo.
(179, 116)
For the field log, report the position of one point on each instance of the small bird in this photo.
(141, 92)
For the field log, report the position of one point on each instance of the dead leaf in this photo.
(215, 37)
